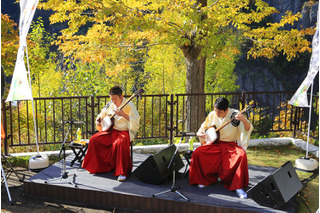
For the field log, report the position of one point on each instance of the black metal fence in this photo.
(162, 116)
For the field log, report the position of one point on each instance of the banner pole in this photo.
(32, 103)
(309, 122)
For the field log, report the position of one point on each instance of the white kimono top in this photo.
(120, 123)
(229, 132)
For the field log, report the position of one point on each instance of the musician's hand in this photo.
(240, 117)
(98, 123)
(121, 113)
(201, 135)
(244, 120)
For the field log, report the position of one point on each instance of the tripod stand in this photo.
(11, 169)
(5, 177)
(174, 188)
(5, 182)
(64, 173)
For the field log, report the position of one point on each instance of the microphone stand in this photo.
(64, 173)
(174, 188)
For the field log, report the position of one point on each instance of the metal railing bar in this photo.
(54, 120)
(27, 103)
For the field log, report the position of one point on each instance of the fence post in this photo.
(92, 105)
(4, 123)
(295, 122)
(171, 128)
(243, 100)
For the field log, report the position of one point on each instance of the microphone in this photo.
(188, 133)
(73, 122)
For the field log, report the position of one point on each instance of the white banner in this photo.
(27, 10)
(19, 89)
(300, 99)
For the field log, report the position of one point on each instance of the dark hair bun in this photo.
(221, 103)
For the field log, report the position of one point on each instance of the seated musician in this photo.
(225, 158)
(110, 150)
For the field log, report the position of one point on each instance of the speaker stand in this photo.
(174, 188)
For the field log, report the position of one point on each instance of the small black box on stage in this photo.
(278, 188)
(155, 170)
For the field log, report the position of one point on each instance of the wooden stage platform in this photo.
(104, 191)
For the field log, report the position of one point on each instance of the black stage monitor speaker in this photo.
(278, 188)
(155, 170)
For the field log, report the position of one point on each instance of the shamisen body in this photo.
(223, 127)
(126, 119)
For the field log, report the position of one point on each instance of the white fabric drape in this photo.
(20, 88)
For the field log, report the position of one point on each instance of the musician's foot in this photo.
(121, 178)
(242, 194)
(201, 186)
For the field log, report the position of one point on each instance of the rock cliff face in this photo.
(262, 75)
(307, 9)
(256, 77)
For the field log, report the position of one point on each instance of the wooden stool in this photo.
(79, 150)
(187, 156)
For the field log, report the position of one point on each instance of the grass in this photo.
(270, 156)
(23, 161)
(276, 156)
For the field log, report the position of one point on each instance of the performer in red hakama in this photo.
(110, 150)
(226, 158)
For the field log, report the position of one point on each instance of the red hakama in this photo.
(225, 160)
(109, 151)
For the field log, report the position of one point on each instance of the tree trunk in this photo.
(195, 104)
(196, 65)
